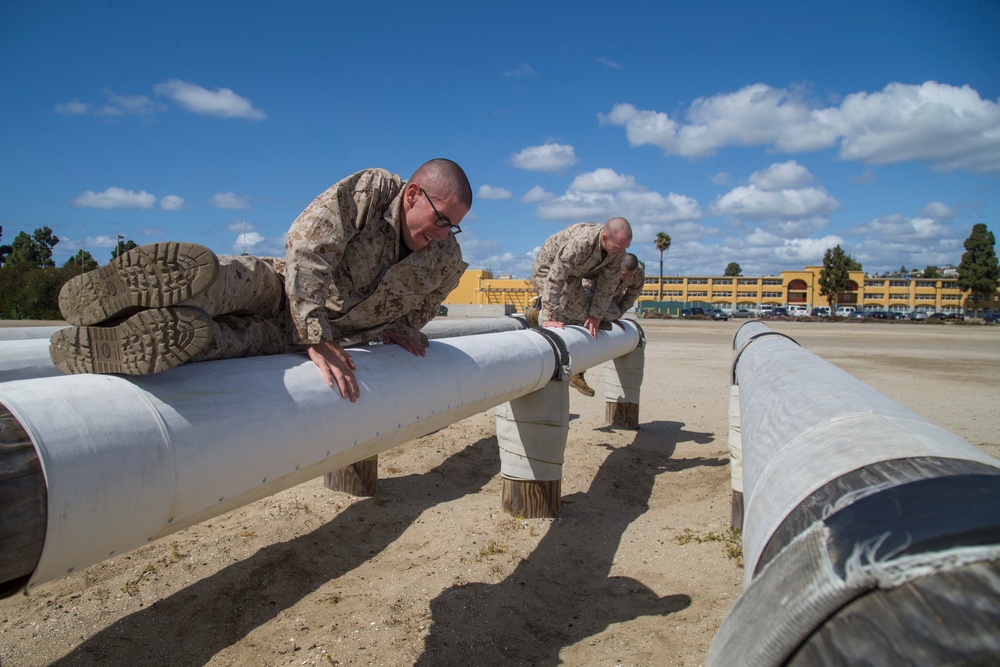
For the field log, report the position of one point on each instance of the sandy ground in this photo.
(638, 570)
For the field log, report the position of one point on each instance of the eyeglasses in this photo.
(441, 220)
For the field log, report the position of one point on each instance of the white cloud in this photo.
(223, 103)
(897, 228)
(536, 194)
(229, 200)
(949, 126)
(171, 202)
(490, 192)
(751, 202)
(548, 157)
(936, 209)
(72, 108)
(721, 178)
(247, 241)
(522, 71)
(603, 194)
(120, 105)
(782, 175)
(115, 198)
(610, 64)
(240, 226)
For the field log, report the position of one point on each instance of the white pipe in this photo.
(26, 358)
(848, 492)
(27, 333)
(24, 351)
(129, 460)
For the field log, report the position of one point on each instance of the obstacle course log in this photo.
(858, 511)
(130, 460)
(358, 479)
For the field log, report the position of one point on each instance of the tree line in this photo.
(29, 278)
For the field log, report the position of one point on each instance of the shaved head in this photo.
(444, 179)
(619, 231)
(630, 263)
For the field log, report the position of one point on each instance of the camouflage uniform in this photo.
(564, 262)
(349, 277)
(626, 293)
(247, 305)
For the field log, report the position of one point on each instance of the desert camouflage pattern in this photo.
(563, 263)
(247, 306)
(347, 278)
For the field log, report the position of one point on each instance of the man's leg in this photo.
(236, 336)
(578, 382)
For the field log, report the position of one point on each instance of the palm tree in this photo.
(662, 243)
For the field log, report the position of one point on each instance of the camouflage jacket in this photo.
(626, 293)
(344, 277)
(562, 264)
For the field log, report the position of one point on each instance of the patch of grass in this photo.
(731, 539)
(132, 587)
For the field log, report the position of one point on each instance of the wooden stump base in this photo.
(23, 506)
(358, 479)
(736, 517)
(621, 415)
(531, 499)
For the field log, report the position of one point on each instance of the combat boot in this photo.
(151, 341)
(158, 275)
(531, 315)
(580, 384)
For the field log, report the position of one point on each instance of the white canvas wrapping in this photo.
(623, 377)
(531, 433)
(735, 440)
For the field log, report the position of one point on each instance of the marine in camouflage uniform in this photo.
(631, 281)
(372, 257)
(576, 273)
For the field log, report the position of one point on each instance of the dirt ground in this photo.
(638, 570)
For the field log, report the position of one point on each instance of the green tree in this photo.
(835, 274)
(979, 272)
(4, 249)
(733, 269)
(34, 250)
(122, 247)
(662, 243)
(80, 262)
(932, 272)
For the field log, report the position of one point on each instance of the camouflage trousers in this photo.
(248, 308)
(574, 305)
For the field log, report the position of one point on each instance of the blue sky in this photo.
(761, 133)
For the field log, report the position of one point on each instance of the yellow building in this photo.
(940, 295)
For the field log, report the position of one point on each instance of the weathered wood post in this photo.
(358, 479)
(735, 458)
(531, 433)
(622, 382)
(24, 499)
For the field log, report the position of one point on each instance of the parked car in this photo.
(443, 311)
(992, 318)
(857, 315)
(780, 312)
(765, 311)
(719, 314)
(845, 311)
(877, 314)
(798, 311)
(821, 311)
(690, 312)
(918, 315)
(896, 315)
(935, 316)
(954, 316)
(742, 313)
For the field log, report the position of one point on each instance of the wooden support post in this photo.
(531, 433)
(23, 506)
(622, 383)
(735, 458)
(531, 499)
(358, 479)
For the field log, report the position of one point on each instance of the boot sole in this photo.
(158, 275)
(149, 342)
